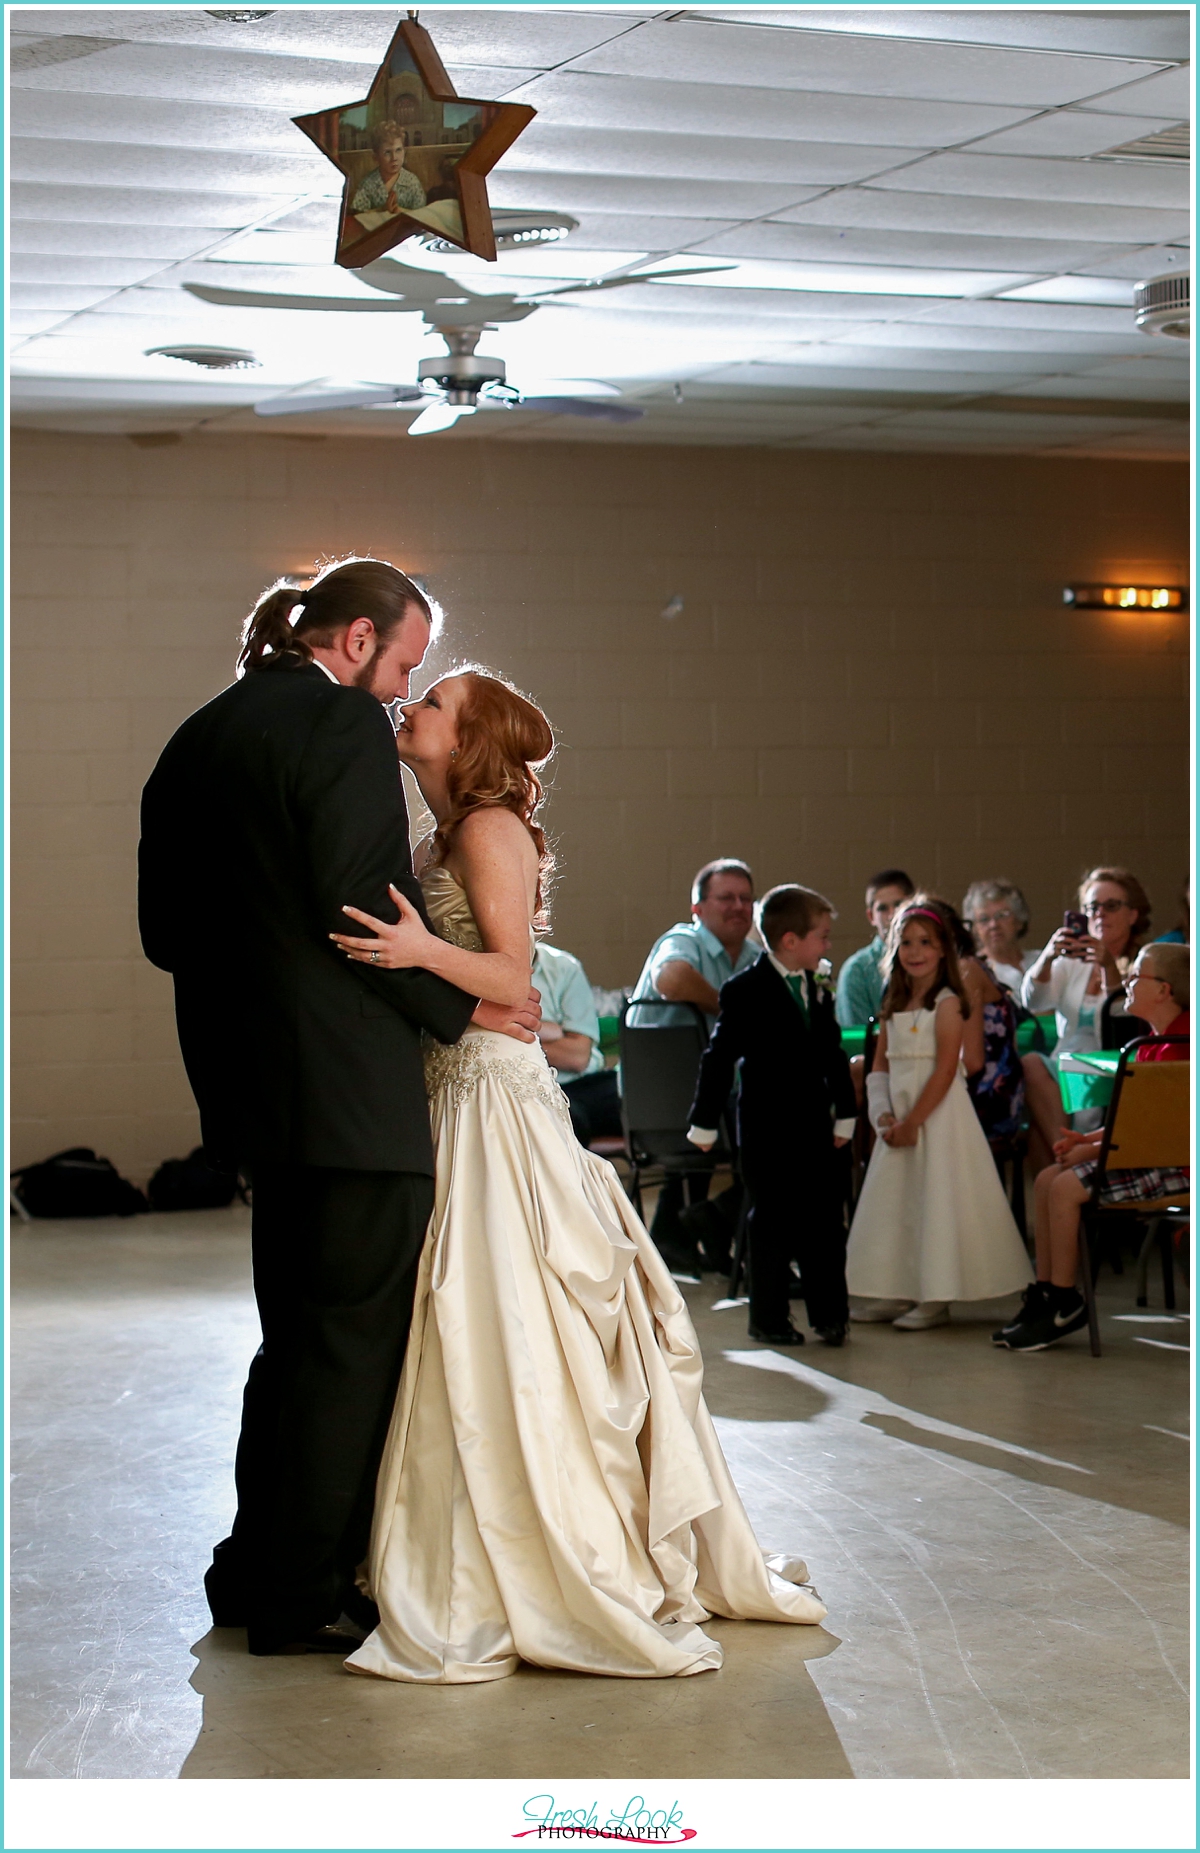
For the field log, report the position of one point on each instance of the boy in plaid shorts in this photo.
(1159, 991)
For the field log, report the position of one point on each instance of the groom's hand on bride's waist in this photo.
(521, 1021)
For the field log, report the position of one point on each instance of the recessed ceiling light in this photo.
(217, 359)
(515, 230)
(240, 15)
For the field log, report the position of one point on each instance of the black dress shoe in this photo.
(340, 1637)
(790, 1336)
(831, 1334)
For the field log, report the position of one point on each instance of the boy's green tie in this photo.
(795, 984)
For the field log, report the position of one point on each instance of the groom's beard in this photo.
(366, 675)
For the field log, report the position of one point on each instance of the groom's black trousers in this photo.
(335, 1266)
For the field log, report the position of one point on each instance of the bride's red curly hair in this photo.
(504, 742)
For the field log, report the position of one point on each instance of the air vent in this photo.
(1173, 144)
(1164, 305)
(216, 359)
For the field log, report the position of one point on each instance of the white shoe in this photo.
(923, 1315)
(878, 1312)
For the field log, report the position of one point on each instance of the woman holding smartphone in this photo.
(1087, 958)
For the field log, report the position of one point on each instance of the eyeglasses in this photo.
(982, 920)
(1092, 908)
(1128, 985)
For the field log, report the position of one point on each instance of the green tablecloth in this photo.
(1087, 1080)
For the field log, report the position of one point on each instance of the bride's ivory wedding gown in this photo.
(552, 1488)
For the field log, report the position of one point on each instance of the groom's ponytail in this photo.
(268, 631)
(286, 621)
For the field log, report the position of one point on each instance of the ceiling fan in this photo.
(460, 382)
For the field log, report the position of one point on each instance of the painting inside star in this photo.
(414, 154)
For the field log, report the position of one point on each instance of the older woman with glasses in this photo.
(998, 916)
(1073, 976)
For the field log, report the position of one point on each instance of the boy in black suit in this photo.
(796, 1112)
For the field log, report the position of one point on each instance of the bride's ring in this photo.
(374, 958)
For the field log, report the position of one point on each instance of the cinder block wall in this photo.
(872, 664)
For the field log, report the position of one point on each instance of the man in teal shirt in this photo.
(570, 1036)
(690, 962)
(860, 981)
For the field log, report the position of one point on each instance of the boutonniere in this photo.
(823, 979)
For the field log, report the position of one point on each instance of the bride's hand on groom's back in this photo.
(395, 946)
(521, 1022)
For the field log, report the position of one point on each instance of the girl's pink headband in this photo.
(930, 913)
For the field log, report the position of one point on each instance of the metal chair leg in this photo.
(1089, 1288)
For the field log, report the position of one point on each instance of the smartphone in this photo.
(1076, 923)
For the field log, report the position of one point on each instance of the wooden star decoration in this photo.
(415, 155)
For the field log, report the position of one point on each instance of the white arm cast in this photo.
(879, 1098)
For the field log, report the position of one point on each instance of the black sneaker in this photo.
(834, 1335)
(788, 1337)
(1032, 1302)
(1049, 1325)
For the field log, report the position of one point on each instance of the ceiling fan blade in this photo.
(260, 299)
(289, 404)
(642, 276)
(585, 408)
(438, 417)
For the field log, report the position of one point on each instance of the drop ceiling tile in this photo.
(1144, 32)
(578, 99)
(731, 199)
(1115, 290)
(65, 297)
(1156, 367)
(68, 239)
(1035, 345)
(160, 124)
(1075, 132)
(294, 85)
(1001, 176)
(1088, 386)
(133, 206)
(532, 38)
(865, 378)
(852, 279)
(606, 230)
(1147, 261)
(33, 321)
(25, 267)
(944, 212)
(688, 51)
(1168, 94)
(76, 164)
(1015, 318)
(553, 148)
(856, 245)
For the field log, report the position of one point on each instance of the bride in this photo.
(552, 1489)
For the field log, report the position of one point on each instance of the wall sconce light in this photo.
(1126, 597)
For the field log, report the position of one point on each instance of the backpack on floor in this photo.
(76, 1183)
(193, 1183)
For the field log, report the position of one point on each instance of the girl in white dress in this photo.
(552, 1489)
(932, 1223)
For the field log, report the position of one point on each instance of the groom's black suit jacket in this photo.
(272, 807)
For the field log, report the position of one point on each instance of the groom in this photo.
(271, 808)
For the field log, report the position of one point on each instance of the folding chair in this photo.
(659, 1067)
(1147, 1127)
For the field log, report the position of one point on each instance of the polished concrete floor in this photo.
(1001, 1540)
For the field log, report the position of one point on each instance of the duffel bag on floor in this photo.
(77, 1183)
